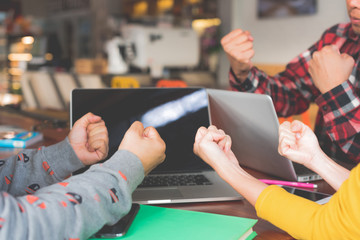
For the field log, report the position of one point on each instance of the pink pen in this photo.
(286, 183)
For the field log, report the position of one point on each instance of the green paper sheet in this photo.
(165, 223)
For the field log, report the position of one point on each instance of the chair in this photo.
(171, 83)
(124, 82)
(44, 90)
(308, 117)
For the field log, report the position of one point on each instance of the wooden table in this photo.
(242, 208)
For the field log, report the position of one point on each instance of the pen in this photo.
(286, 183)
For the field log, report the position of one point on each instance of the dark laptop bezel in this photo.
(98, 100)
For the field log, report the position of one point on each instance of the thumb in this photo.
(339, 43)
(349, 59)
(137, 127)
(150, 132)
(297, 127)
(250, 38)
(87, 119)
(200, 133)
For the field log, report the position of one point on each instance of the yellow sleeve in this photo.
(304, 219)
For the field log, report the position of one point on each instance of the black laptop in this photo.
(176, 113)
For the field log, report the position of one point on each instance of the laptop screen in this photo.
(176, 113)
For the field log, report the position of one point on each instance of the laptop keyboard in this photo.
(175, 180)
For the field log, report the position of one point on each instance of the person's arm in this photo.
(31, 170)
(341, 110)
(214, 147)
(298, 143)
(80, 205)
(339, 102)
(238, 46)
(293, 85)
(75, 208)
(304, 219)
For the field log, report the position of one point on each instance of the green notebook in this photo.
(170, 224)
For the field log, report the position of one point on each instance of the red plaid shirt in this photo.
(338, 121)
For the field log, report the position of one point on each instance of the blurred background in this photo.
(49, 47)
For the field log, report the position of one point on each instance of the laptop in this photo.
(176, 113)
(251, 121)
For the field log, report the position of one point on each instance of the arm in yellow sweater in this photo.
(304, 219)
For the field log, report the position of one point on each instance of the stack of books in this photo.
(14, 137)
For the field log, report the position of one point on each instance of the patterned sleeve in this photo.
(32, 169)
(75, 208)
(341, 110)
(292, 90)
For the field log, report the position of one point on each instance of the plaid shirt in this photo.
(338, 121)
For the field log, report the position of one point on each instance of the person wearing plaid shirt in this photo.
(320, 75)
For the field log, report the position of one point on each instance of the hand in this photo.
(238, 46)
(298, 143)
(89, 139)
(328, 68)
(146, 144)
(214, 147)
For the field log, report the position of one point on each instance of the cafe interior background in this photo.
(49, 47)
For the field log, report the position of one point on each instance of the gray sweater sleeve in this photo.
(32, 169)
(77, 207)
